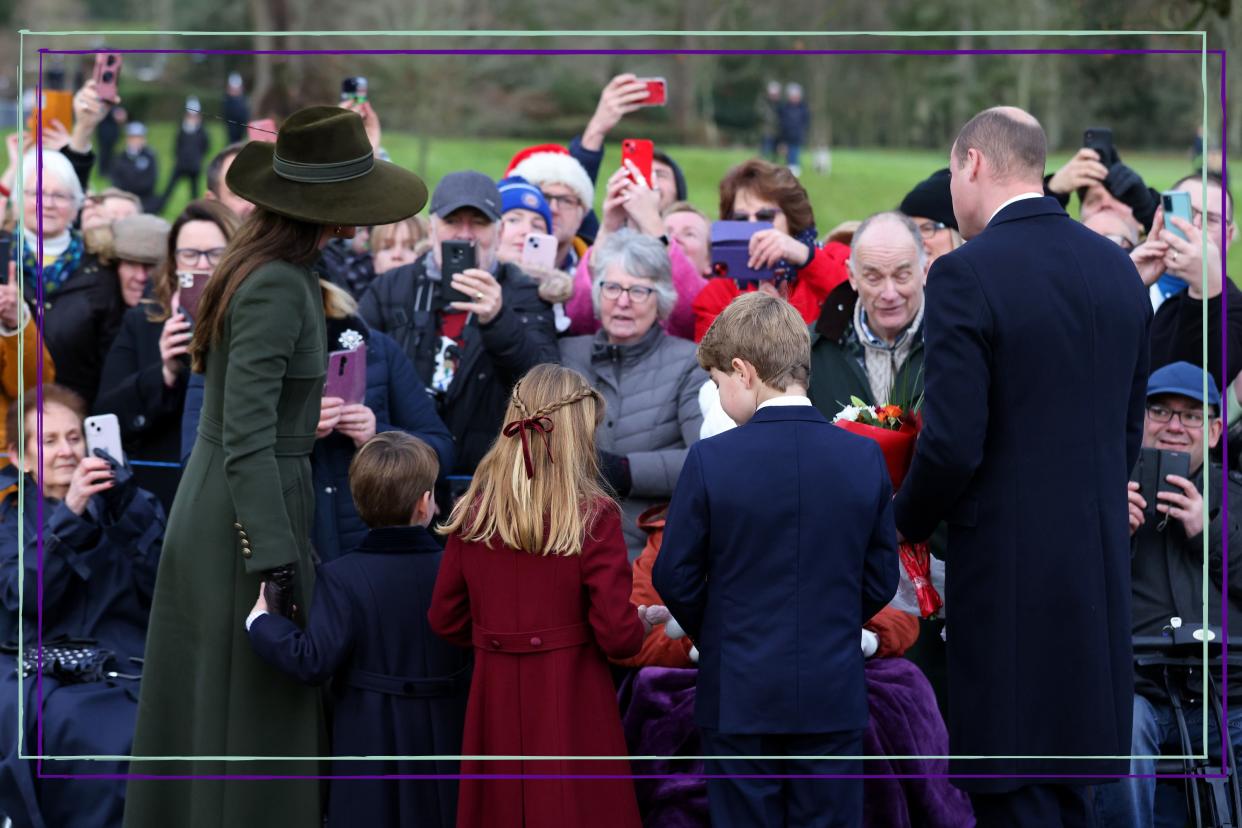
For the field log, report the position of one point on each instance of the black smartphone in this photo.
(349, 88)
(456, 257)
(1151, 472)
(1100, 139)
(6, 253)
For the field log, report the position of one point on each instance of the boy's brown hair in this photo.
(765, 331)
(388, 476)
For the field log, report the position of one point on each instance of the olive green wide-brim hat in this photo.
(322, 170)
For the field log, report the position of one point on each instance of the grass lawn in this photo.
(862, 181)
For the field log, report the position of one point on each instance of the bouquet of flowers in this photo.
(895, 428)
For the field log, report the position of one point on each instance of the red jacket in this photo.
(542, 629)
(815, 281)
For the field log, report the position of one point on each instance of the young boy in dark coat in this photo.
(398, 689)
(779, 545)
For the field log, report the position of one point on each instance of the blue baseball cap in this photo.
(1184, 379)
(516, 193)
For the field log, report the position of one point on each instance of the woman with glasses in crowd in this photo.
(648, 378)
(144, 376)
(805, 272)
(930, 206)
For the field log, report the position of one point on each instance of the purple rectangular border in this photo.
(570, 52)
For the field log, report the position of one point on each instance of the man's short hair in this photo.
(685, 207)
(388, 476)
(765, 331)
(1213, 179)
(884, 218)
(217, 164)
(1015, 146)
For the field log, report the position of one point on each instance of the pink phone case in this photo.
(347, 375)
(539, 250)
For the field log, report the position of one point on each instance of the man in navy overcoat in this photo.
(1036, 368)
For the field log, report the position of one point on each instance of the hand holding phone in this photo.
(1151, 472)
(539, 251)
(1176, 203)
(103, 431)
(641, 152)
(730, 251)
(347, 375)
(1100, 139)
(107, 75)
(456, 257)
(657, 92)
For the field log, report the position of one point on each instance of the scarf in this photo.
(63, 259)
(884, 361)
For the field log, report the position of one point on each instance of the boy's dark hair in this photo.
(765, 331)
(52, 393)
(388, 476)
(217, 163)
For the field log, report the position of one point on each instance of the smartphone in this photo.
(1175, 203)
(1100, 139)
(641, 152)
(103, 431)
(57, 106)
(263, 129)
(360, 90)
(347, 375)
(730, 251)
(456, 257)
(1151, 473)
(191, 286)
(657, 92)
(349, 88)
(107, 74)
(6, 253)
(539, 250)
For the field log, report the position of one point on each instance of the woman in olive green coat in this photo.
(243, 511)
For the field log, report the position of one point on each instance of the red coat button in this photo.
(495, 644)
(536, 642)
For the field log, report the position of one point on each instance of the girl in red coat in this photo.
(535, 577)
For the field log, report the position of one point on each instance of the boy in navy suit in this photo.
(779, 544)
(399, 689)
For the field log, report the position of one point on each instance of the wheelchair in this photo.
(1210, 802)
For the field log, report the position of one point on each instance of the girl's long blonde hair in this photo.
(549, 510)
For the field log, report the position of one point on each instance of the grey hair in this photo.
(642, 257)
(55, 165)
(882, 218)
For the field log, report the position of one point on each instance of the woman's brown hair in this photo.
(52, 393)
(159, 307)
(549, 509)
(771, 182)
(264, 237)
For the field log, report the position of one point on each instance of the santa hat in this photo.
(552, 164)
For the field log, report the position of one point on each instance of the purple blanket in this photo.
(657, 711)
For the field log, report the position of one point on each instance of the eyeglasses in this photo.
(188, 256)
(638, 293)
(930, 228)
(1161, 414)
(766, 214)
(59, 199)
(558, 202)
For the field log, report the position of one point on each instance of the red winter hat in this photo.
(552, 164)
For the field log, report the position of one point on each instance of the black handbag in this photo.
(68, 660)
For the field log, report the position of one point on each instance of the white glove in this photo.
(870, 643)
(694, 654)
(673, 630)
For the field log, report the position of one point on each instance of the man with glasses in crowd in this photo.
(1167, 582)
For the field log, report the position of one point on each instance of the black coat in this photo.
(80, 321)
(137, 174)
(400, 690)
(405, 304)
(236, 111)
(132, 388)
(1177, 333)
(1036, 379)
(190, 150)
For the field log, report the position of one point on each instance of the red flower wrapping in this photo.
(898, 449)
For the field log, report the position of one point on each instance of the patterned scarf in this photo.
(884, 361)
(57, 272)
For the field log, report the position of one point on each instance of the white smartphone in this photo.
(103, 431)
(539, 250)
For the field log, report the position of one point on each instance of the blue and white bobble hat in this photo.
(516, 193)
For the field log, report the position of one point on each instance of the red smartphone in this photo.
(657, 92)
(262, 130)
(107, 73)
(641, 152)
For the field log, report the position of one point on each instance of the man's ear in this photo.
(1214, 431)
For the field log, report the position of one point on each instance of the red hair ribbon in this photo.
(518, 428)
